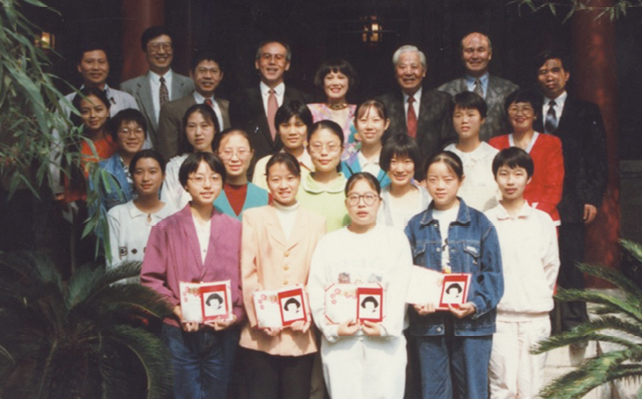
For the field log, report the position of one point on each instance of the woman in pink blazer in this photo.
(278, 242)
(197, 244)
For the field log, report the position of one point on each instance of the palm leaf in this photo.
(628, 307)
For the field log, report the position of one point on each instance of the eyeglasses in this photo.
(229, 153)
(317, 148)
(525, 110)
(277, 57)
(368, 199)
(127, 132)
(157, 46)
(200, 179)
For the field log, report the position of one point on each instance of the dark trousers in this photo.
(277, 377)
(571, 245)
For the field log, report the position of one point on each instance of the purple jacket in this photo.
(173, 255)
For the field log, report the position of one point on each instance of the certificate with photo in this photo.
(439, 289)
(354, 302)
(282, 307)
(206, 301)
(454, 290)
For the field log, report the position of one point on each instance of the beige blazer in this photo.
(269, 262)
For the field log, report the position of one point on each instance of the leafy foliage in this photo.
(619, 323)
(81, 339)
(570, 7)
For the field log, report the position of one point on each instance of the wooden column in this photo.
(138, 15)
(595, 80)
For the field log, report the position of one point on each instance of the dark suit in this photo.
(585, 171)
(434, 123)
(141, 89)
(496, 92)
(248, 113)
(171, 136)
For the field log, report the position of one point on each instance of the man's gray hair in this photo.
(409, 49)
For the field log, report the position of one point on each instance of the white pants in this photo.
(513, 371)
(365, 368)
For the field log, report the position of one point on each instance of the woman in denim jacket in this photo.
(454, 346)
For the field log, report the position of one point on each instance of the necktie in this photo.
(163, 93)
(479, 90)
(550, 124)
(412, 118)
(208, 101)
(271, 112)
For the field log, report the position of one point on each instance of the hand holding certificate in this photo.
(430, 291)
(285, 307)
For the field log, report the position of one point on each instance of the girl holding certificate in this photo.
(197, 244)
(362, 359)
(454, 346)
(278, 241)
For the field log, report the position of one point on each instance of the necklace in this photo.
(338, 107)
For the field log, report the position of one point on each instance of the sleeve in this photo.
(155, 264)
(249, 267)
(317, 282)
(551, 259)
(551, 193)
(168, 131)
(490, 281)
(398, 287)
(592, 184)
(114, 240)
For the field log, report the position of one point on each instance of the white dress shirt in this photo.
(559, 105)
(415, 105)
(154, 83)
(265, 94)
(219, 116)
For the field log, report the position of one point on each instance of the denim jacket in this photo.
(120, 194)
(474, 248)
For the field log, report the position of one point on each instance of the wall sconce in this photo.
(372, 30)
(46, 41)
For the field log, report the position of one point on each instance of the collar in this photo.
(363, 161)
(134, 212)
(511, 141)
(463, 216)
(470, 80)
(155, 78)
(524, 212)
(416, 96)
(265, 89)
(559, 101)
(285, 209)
(337, 186)
(106, 90)
(200, 99)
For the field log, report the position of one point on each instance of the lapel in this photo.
(178, 87)
(259, 113)
(190, 232)
(224, 106)
(300, 228)
(397, 111)
(568, 117)
(425, 109)
(491, 91)
(275, 231)
(215, 237)
(145, 95)
(461, 86)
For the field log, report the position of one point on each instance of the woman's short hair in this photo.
(337, 66)
(84, 93)
(332, 126)
(127, 115)
(399, 145)
(469, 100)
(450, 159)
(366, 105)
(525, 96)
(228, 132)
(293, 108)
(192, 162)
(368, 177)
(146, 154)
(513, 157)
(286, 159)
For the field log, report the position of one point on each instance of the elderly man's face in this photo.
(476, 54)
(410, 72)
(272, 63)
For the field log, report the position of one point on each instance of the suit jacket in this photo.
(497, 91)
(248, 113)
(269, 261)
(141, 89)
(434, 124)
(584, 148)
(171, 135)
(173, 254)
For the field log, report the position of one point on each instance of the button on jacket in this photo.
(474, 248)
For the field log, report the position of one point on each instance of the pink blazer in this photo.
(268, 261)
(173, 255)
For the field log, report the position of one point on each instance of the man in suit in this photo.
(253, 109)
(422, 114)
(579, 125)
(160, 84)
(206, 73)
(476, 53)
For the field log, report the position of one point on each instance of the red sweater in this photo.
(545, 189)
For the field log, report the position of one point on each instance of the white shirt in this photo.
(483, 80)
(479, 188)
(265, 94)
(200, 100)
(445, 218)
(530, 262)
(172, 193)
(203, 231)
(154, 83)
(371, 167)
(287, 217)
(415, 105)
(559, 105)
(398, 217)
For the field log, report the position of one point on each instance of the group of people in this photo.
(268, 190)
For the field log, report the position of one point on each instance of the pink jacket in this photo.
(173, 255)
